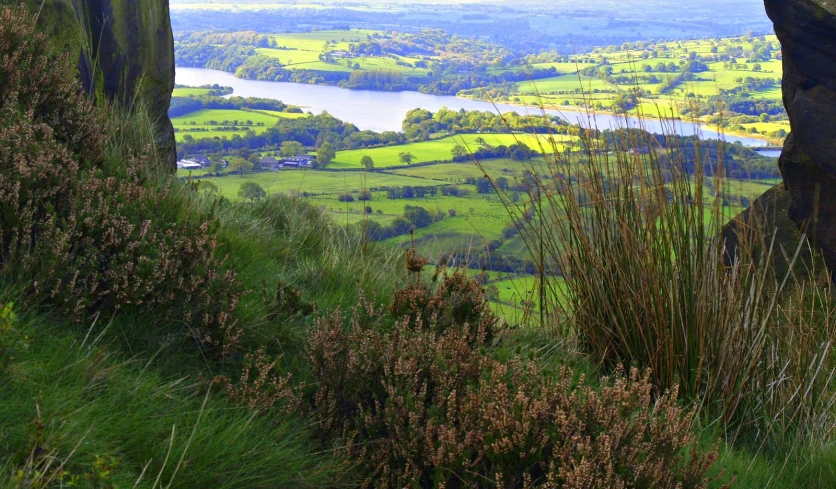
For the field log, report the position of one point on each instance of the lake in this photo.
(385, 111)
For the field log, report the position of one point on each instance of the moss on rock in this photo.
(124, 51)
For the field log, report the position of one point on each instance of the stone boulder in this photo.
(124, 50)
(807, 31)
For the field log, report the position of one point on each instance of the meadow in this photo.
(299, 51)
(221, 123)
(190, 92)
(441, 149)
(631, 69)
(466, 220)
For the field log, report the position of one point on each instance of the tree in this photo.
(240, 165)
(208, 187)
(217, 166)
(367, 162)
(290, 149)
(251, 191)
(502, 183)
(401, 226)
(407, 158)
(459, 151)
(484, 186)
(325, 155)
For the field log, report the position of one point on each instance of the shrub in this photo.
(346, 197)
(251, 191)
(85, 221)
(419, 402)
(260, 386)
(401, 226)
(418, 216)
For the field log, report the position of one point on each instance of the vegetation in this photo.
(425, 405)
(431, 61)
(721, 329)
(164, 333)
(732, 82)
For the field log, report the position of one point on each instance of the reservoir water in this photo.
(384, 111)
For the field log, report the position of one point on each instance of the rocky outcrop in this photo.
(807, 31)
(124, 51)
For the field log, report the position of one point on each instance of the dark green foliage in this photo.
(418, 216)
(310, 131)
(251, 191)
(184, 105)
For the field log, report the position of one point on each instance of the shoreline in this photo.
(771, 143)
(558, 110)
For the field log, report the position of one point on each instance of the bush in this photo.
(413, 395)
(346, 197)
(401, 226)
(251, 191)
(418, 216)
(85, 221)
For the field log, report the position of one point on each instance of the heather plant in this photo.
(260, 385)
(422, 403)
(87, 222)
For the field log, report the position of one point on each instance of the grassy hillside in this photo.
(154, 333)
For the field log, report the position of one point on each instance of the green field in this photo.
(638, 69)
(565, 83)
(312, 182)
(211, 123)
(190, 92)
(457, 172)
(440, 149)
(302, 51)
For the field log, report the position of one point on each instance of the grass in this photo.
(217, 123)
(129, 387)
(75, 399)
(291, 57)
(622, 240)
(313, 182)
(434, 150)
(566, 83)
(206, 117)
(190, 92)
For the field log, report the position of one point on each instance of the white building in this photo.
(188, 165)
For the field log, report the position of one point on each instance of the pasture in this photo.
(638, 70)
(190, 92)
(441, 149)
(212, 123)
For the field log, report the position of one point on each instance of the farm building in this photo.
(188, 165)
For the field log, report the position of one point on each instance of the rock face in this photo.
(124, 48)
(807, 31)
